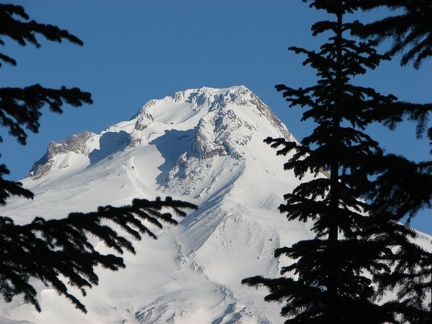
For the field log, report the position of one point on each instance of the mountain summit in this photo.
(193, 145)
(217, 122)
(204, 146)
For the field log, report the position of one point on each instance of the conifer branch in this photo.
(49, 250)
(411, 29)
(15, 24)
(21, 107)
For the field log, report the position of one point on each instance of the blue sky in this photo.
(140, 50)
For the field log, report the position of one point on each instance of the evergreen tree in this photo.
(52, 249)
(410, 28)
(402, 187)
(335, 271)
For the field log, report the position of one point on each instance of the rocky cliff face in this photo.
(76, 143)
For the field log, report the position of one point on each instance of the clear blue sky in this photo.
(140, 50)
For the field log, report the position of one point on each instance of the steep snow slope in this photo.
(204, 146)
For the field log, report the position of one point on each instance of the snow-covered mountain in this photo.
(204, 146)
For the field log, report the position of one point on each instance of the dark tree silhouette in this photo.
(342, 272)
(46, 249)
(410, 28)
(403, 188)
(60, 248)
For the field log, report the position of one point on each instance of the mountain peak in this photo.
(202, 123)
(209, 122)
(205, 96)
(190, 103)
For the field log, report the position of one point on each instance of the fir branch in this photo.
(50, 249)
